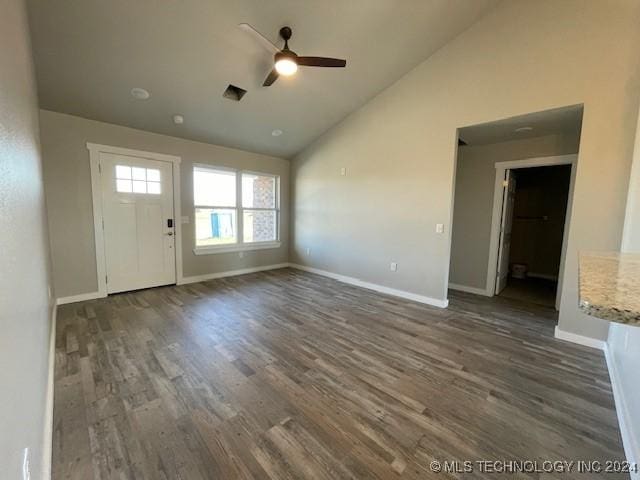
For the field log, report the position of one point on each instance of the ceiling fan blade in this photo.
(321, 62)
(273, 76)
(261, 38)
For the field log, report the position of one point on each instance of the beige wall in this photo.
(68, 190)
(399, 148)
(473, 205)
(25, 305)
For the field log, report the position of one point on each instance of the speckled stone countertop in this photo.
(610, 286)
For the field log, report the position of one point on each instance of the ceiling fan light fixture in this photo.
(285, 60)
(286, 66)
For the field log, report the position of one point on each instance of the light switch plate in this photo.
(439, 227)
(184, 219)
(343, 171)
(393, 267)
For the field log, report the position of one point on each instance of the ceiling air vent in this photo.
(234, 93)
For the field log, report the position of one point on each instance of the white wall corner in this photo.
(579, 339)
(436, 302)
(47, 446)
(629, 431)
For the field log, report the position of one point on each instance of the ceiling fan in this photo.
(286, 62)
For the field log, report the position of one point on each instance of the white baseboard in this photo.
(181, 281)
(79, 298)
(629, 436)
(474, 290)
(230, 273)
(47, 447)
(579, 339)
(373, 286)
(544, 276)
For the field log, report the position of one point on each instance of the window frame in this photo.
(239, 245)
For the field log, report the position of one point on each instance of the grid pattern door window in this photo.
(137, 180)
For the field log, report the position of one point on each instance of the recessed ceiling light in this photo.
(178, 119)
(276, 133)
(523, 129)
(140, 93)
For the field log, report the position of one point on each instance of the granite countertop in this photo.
(610, 286)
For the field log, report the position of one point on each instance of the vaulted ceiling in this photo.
(89, 54)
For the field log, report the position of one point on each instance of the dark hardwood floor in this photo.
(288, 375)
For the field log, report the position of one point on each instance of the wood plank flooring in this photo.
(288, 375)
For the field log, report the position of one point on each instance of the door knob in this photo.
(170, 233)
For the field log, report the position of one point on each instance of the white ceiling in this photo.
(89, 54)
(565, 121)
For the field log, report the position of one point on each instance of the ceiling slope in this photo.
(89, 54)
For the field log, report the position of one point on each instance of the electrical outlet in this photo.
(308, 251)
(393, 267)
(439, 227)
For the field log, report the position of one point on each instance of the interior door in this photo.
(506, 226)
(138, 222)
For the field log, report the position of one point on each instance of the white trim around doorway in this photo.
(96, 192)
(501, 168)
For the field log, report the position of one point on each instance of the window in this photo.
(215, 200)
(137, 180)
(237, 210)
(259, 213)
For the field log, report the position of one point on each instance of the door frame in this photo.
(509, 178)
(96, 193)
(496, 216)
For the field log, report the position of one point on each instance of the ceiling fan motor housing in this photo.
(285, 54)
(285, 33)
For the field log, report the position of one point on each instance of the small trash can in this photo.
(519, 270)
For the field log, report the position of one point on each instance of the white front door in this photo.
(506, 226)
(138, 222)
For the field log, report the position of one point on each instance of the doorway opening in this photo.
(136, 199)
(532, 228)
(512, 205)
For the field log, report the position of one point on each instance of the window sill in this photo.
(236, 248)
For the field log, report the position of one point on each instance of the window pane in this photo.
(214, 187)
(122, 171)
(259, 226)
(139, 173)
(153, 175)
(153, 187)
(258, 191)
(123, 186)
(139, 186)
(215, 226)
